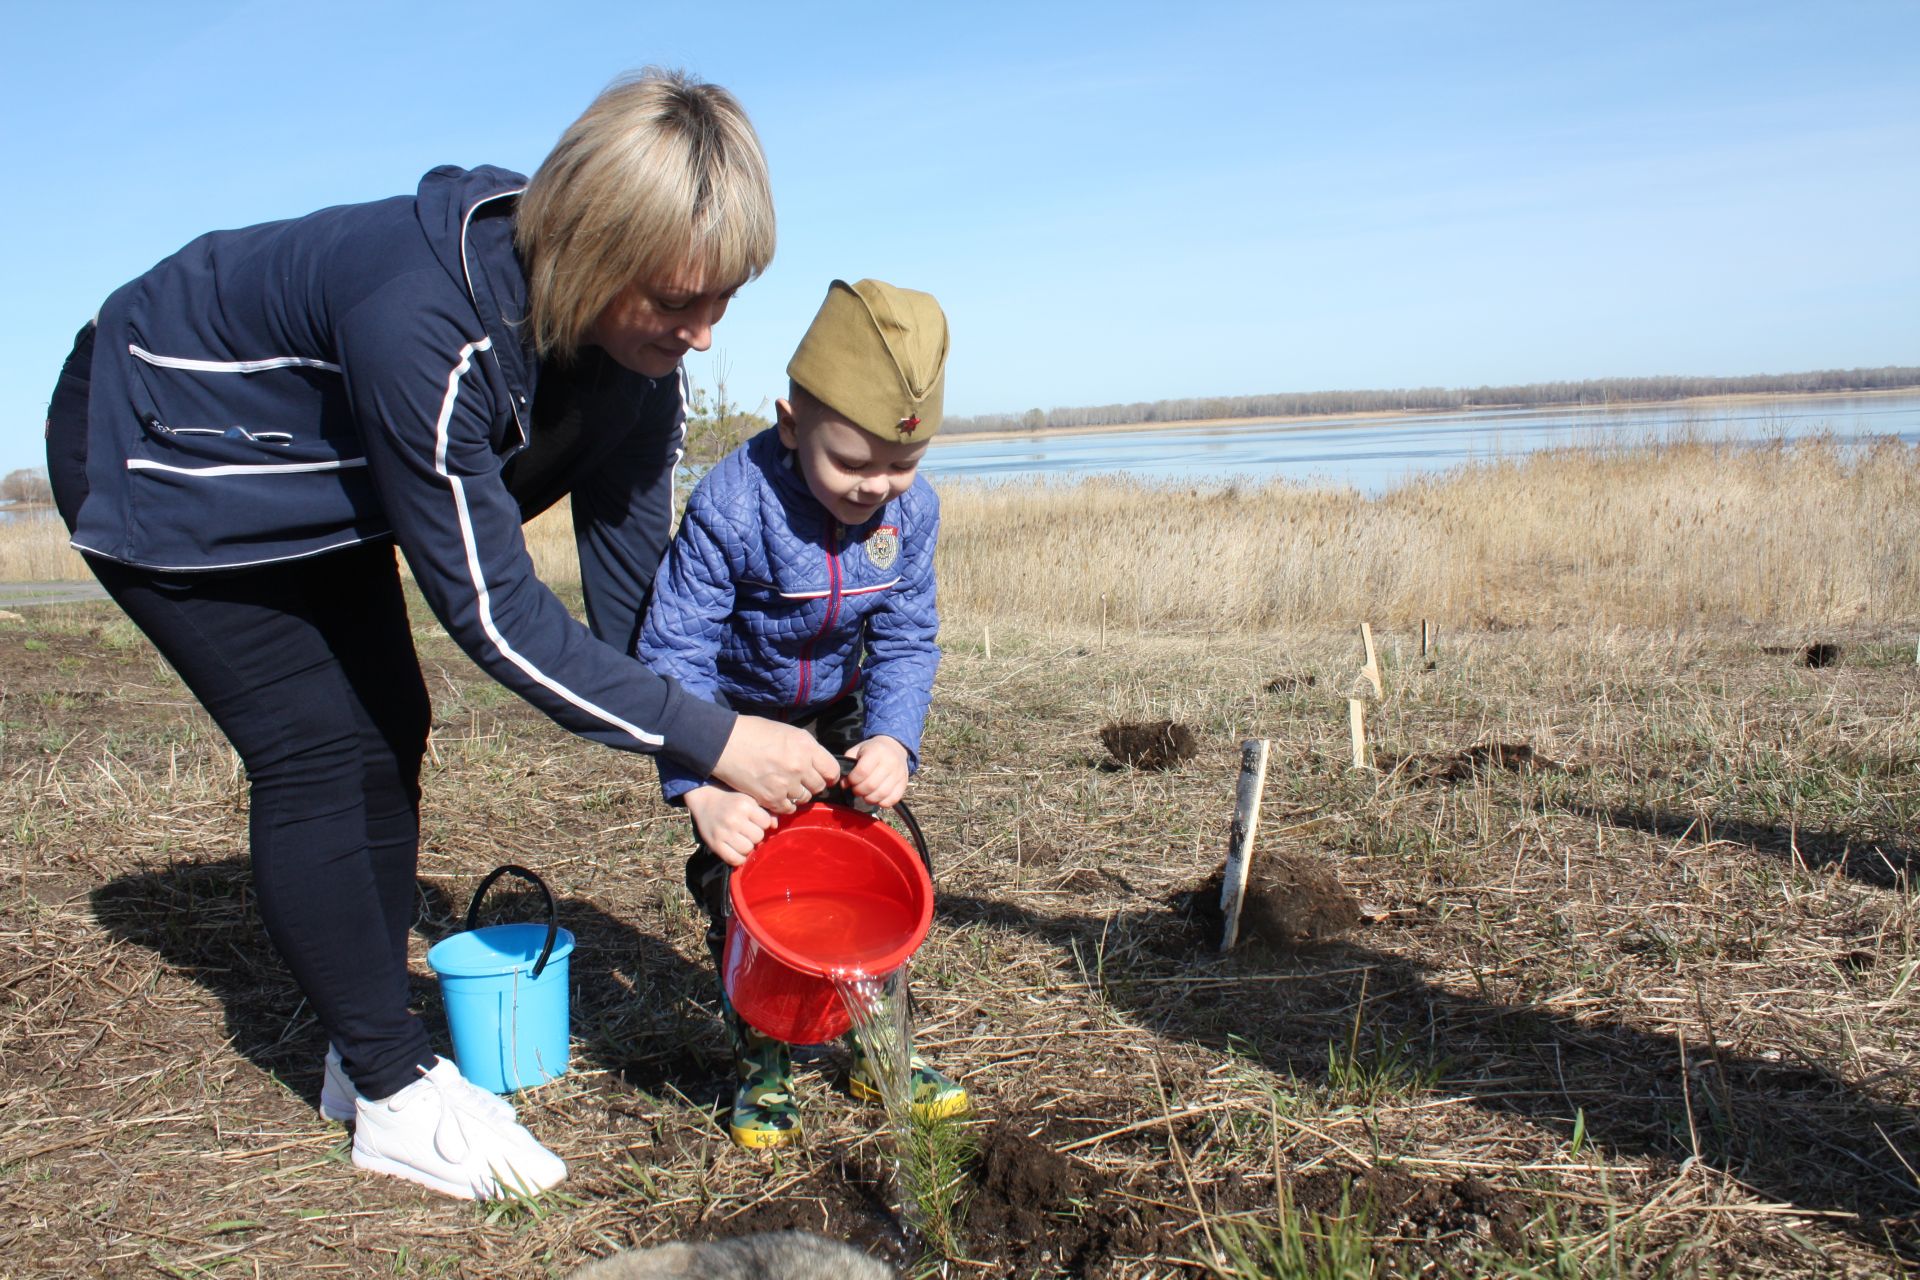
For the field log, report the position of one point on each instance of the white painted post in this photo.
(1372, 670)
(1246, 821)
(1357, 722)
(986, 641)
(1426, 637)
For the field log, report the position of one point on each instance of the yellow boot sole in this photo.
(953, 1104)
(763, 1139)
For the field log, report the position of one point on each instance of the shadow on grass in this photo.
(1882, 863)
(639, 1010)
(1792, 1132)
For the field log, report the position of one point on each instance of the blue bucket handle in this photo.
(553, 915)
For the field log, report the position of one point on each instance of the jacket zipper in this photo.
(826, 623)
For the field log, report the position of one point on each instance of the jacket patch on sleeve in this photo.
(883, 546)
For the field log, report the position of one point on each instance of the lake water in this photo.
(1374, 454)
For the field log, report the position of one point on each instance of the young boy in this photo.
(800, 586)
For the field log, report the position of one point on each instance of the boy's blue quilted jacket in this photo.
(768, 603)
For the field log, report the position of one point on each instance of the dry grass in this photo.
(1654, 1009)
(1660, 536)
(33, 548)
(550, 543)
(1664, 996)
(1663, 535)
(1806, 534)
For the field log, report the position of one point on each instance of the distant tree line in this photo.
(1293, 404)
(27, 487)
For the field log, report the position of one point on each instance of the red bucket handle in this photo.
(833, 791)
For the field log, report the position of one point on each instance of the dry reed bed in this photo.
(1661, 535)
(1663, 996)
(33, 548)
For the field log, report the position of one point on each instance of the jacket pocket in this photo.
(231, 450)
(198, 416)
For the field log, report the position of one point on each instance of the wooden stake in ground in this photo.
(1103, 620)
(1372, 670)
(1429, 637)
(1357, 723)
(986, 641)
(1246, 820)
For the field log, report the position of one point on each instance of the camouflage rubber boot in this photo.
(930, 1095)
(764, 1114)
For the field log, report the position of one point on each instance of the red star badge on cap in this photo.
(909, 424)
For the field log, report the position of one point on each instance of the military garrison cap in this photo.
(877, 355)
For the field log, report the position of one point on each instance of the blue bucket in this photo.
(505, 992)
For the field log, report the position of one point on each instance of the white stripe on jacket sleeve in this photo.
(478, 575)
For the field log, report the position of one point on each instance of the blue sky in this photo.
(1115, 202)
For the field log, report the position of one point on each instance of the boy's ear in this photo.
(784, 420)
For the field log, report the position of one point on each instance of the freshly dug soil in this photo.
(1416, 1210)
(1481, 758)
(1819, 653)
(1021, 1181)
(1158, 744)
(1036, 1211)
(1292, 901)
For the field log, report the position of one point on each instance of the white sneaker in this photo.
(337, 1094)
(435, 1133)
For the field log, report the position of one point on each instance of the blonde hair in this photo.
(661, 173)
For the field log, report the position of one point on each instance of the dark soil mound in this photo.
(1159, 744)
(1821, 655)
(1291, 682)
(1292, 901)
(1416, 1209)
(1021, 1181)
(1519, 756)
(1481, 758)
(1043, 1212)
(1818, 654)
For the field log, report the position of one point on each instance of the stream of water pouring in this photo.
(878, 1007)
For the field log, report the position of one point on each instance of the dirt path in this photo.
(15, 595)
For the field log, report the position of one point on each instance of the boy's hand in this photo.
(879, 771)
(727, 822)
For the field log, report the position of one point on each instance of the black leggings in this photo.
(309, 669)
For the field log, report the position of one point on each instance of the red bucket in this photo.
(831, 893)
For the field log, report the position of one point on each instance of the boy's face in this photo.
(850, 473)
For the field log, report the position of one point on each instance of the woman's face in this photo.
(647, 327)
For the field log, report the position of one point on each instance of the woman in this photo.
(245, 433)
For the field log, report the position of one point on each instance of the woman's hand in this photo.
(727, 822)
(879, 771)
(778, 765)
